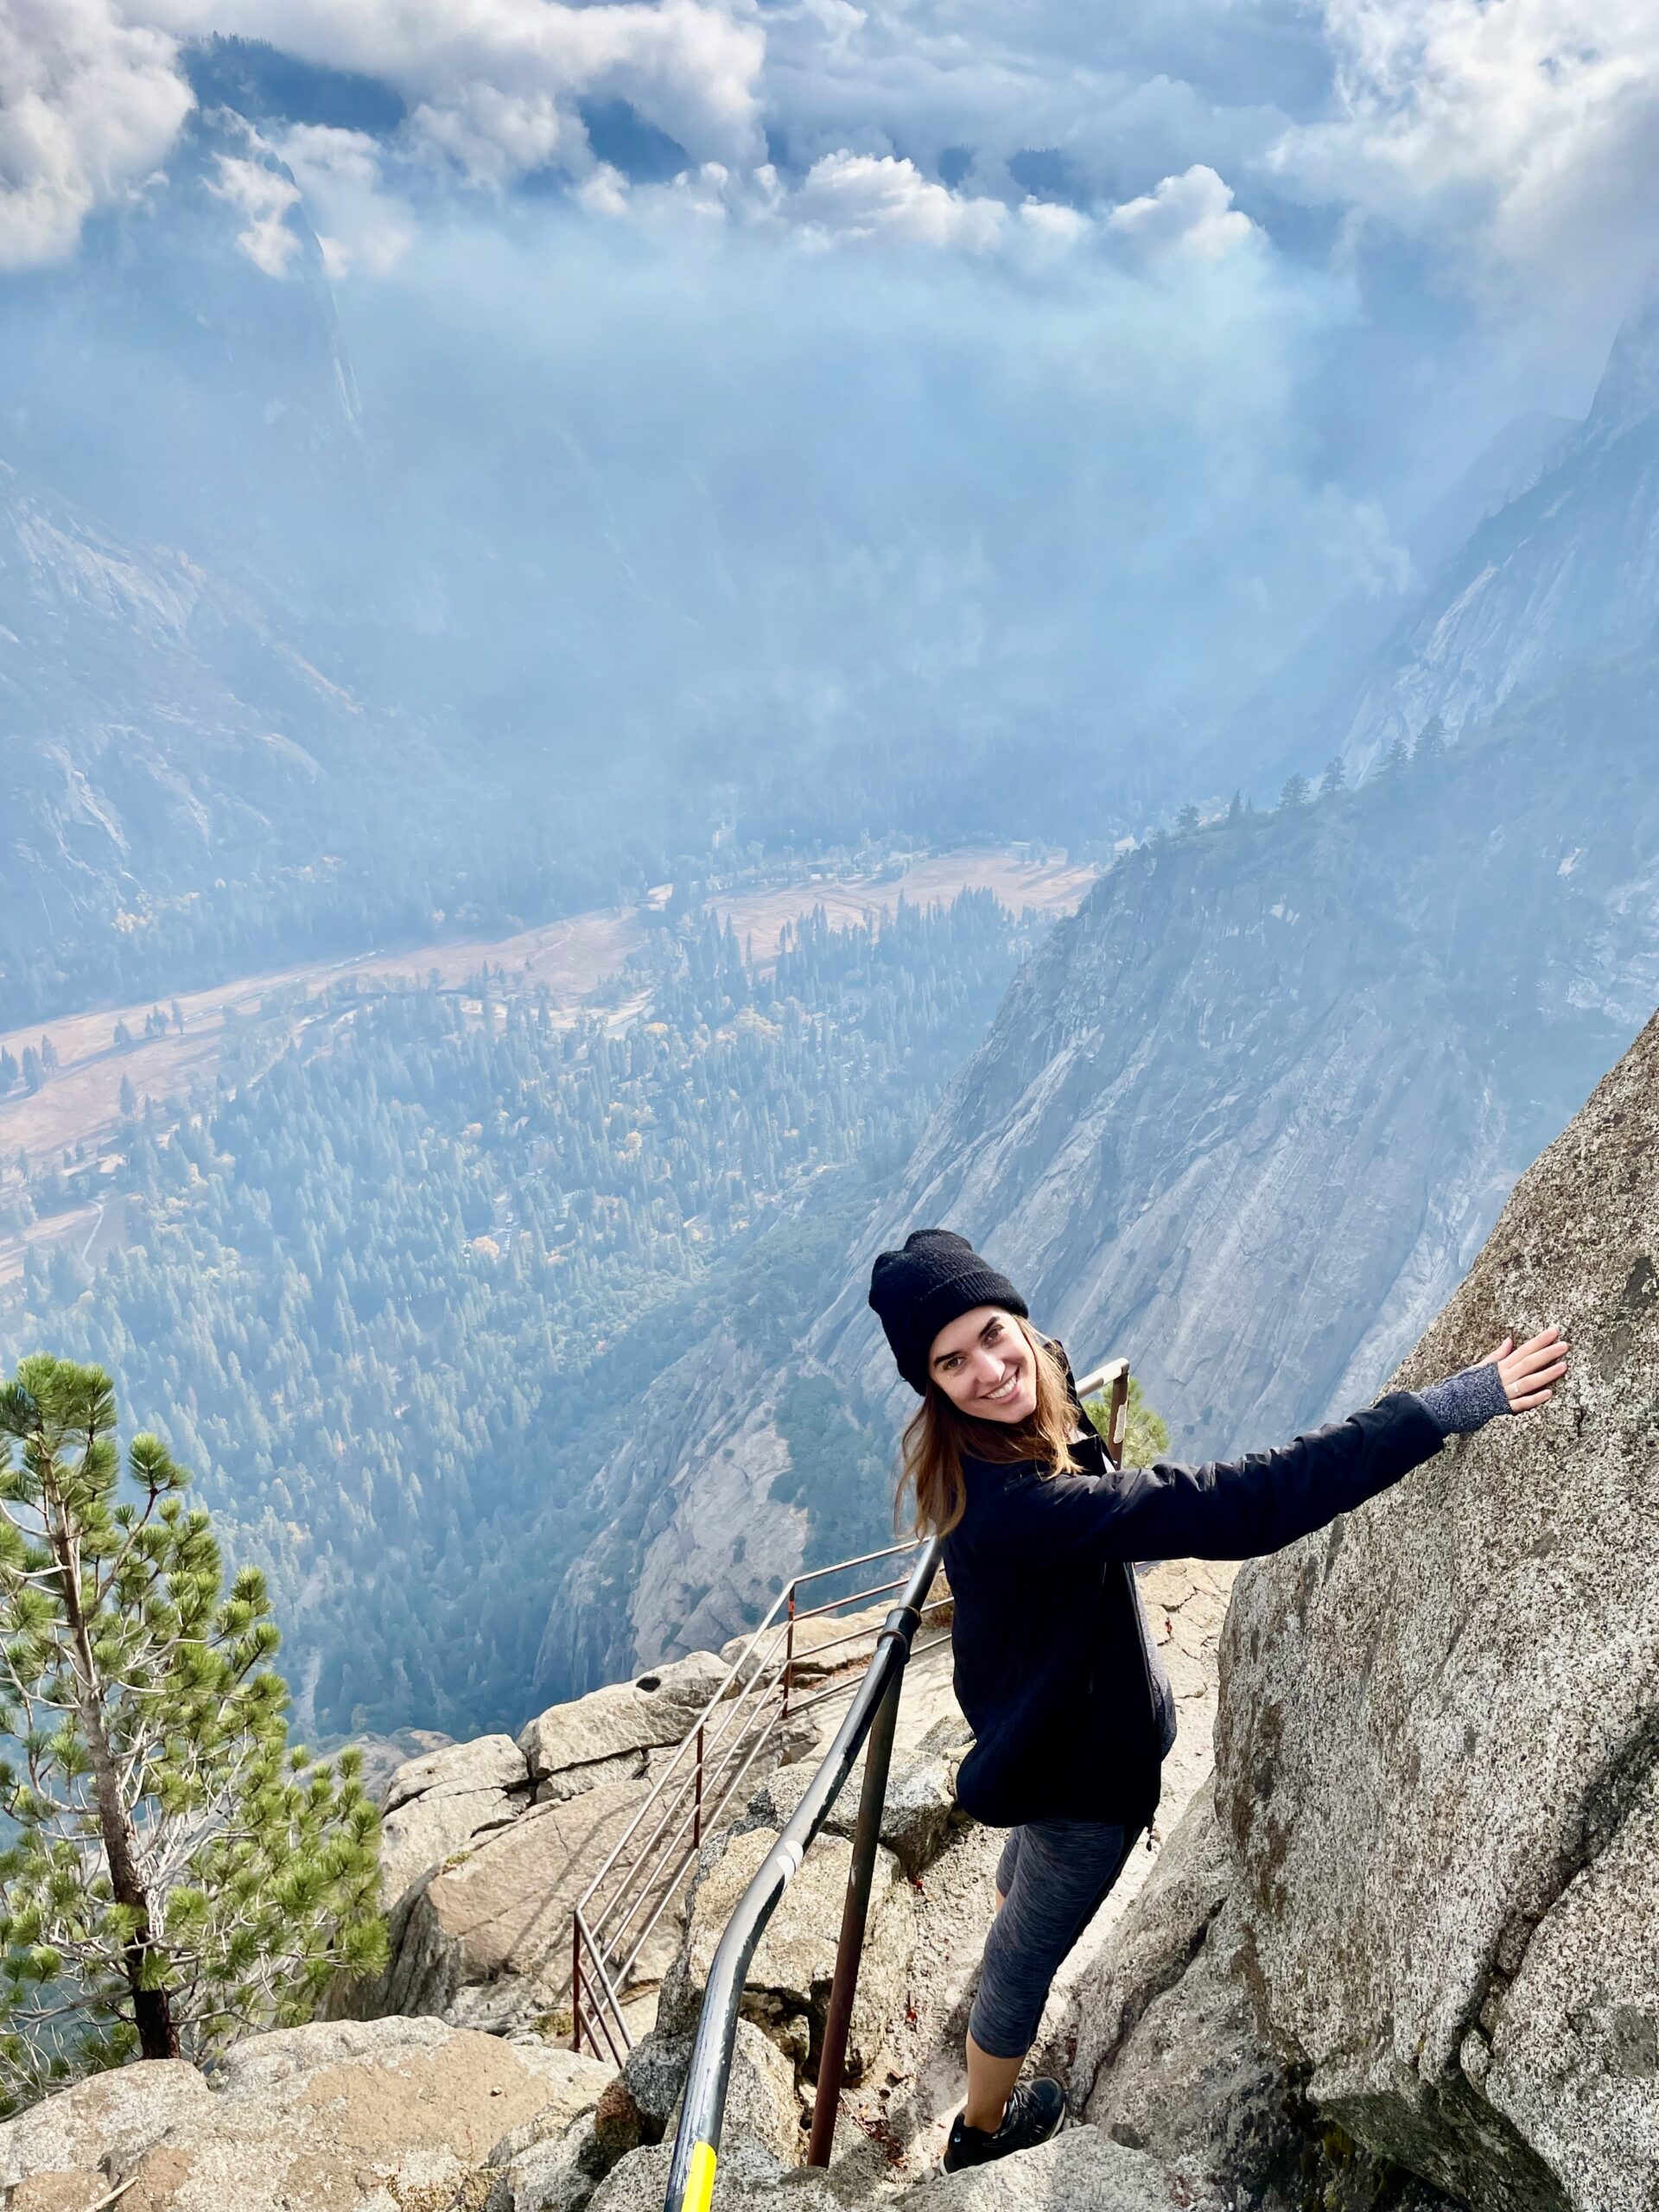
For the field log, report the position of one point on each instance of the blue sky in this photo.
(1055, 355)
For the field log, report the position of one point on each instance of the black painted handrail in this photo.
(871, 1715)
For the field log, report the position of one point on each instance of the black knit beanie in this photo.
(917, 1291)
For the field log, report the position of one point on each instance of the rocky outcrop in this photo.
(1425, 1925)
(1440, 1732)
(485, 1847)
(344, 2118)
(436, 1804)
(606, 1736)
(486, 1938)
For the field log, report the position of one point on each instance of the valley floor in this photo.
(77, 1109)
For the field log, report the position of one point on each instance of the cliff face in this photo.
(1246, 1117)
(1438, 1750)
(164, 738)
(1562, 575)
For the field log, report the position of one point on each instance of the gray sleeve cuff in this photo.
(1466, 1401)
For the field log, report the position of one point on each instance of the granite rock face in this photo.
(435, 1804)
(1438, 1747)
(1564, 572)
(358, 2117)
(606, 1735)
(486, 1939)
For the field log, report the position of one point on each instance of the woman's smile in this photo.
(985, 1367)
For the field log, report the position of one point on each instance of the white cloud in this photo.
(604, 191)
(93, 95)
(1520, 135)
(849, 200)
(89, 107)
(1055, 223)
(863, 195)
(495, 84)
(263, 196)
(494, 135)
(358, 224)
(1192, 214)
(1122, 93)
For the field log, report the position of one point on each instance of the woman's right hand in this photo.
(1529, 1372)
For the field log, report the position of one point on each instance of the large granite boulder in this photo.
(353, 2117)
(486, 1939)
(1175, 2059)
(606, 1736)
(435, 1804)
(1438, 1731)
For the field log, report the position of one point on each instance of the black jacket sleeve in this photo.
(1225, 1509)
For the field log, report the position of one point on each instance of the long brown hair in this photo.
(940, 1436)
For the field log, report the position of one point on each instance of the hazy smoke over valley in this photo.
(832, 430)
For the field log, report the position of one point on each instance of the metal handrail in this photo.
(872, 1715)
(647, 1865)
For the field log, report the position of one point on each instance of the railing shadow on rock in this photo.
(870, 1719)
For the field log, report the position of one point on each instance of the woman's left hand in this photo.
(1530, 1371)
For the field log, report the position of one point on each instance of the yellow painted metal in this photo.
(700, 2179)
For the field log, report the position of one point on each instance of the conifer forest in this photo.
(390, 1290)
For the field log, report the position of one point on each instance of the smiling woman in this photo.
(1072, 1711)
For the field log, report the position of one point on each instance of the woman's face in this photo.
(984, 1366)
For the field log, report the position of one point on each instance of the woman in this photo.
(1070, 1707)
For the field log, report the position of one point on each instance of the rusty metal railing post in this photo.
(1117, 1426)
(696, 1815)
(854, 1915)
(576, 1980)
(789, 1654)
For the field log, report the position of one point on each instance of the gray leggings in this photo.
(1053, 1875)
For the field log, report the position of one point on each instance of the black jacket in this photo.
(1054, 1670)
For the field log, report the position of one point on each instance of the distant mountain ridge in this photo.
(167, 750)
(1565, 574)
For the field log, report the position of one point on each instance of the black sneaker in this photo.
(1035, 2111)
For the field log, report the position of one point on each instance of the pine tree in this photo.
(176, 1873)
(1432, 745)
(1334, 780)
(1294, 793)
(1146, 1433)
